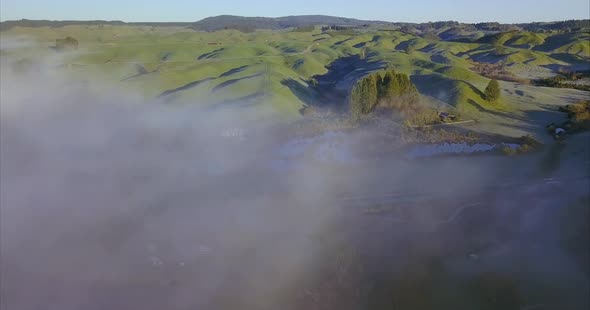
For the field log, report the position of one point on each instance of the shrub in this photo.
(523, 149)
(423, 117)
(508, 151)
(529, 140)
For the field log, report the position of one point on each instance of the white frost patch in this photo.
(329, 147)
(454, 148)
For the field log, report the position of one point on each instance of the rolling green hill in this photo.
(274, 70)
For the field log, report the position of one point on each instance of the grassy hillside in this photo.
(273, 70)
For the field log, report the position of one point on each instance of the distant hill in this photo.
(446, 30)
(208, 24)
(6, 25)
(241, 22)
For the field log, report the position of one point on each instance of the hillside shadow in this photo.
(342, 42)
(165, 56)
(433, 85)
(428, 48)
(288, 50)
(241, 102)
(569, 58)
(184, 87)
(141, 70)
(440, 59)
(211, 54)
(233, 71)
(403, 45)
(136, 76)
(469, 52)
(535, 122)
(346, 68)
(574, 63)
(233, 81)
(334, 86)
(302, 92)
(483, 109)
(554, 42)
(476, 90)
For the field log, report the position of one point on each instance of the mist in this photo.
(110, 200)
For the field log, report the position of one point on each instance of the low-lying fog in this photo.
(111, 202)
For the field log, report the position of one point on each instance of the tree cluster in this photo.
(67, 43)
(308, 28)
(336, 28)
(241, 28)
(565, 80)
(392, 91)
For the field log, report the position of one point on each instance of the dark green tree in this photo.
(356, 101)
(389, 84)
(372, 95)
(379, 86)
(492, 92)
(363, 53)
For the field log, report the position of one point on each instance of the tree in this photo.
(389, 86)
(379, 86)
(363, 53)
(492, 92)
(500, 50)
(410, 49)
(313, 83)
(364, 96)
(372, 95)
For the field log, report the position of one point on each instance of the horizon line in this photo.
(271, 17)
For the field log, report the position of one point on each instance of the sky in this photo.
(508, 11)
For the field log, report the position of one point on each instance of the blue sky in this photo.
(388, 10)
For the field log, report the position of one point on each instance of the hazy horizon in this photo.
(502, 11)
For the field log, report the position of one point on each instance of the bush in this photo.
(561, 80)
(313, 83)
(527, 144)
(531, 143)
(508, 151)
(422, 117)
(579, 115)
(523, 149)
(497, 71)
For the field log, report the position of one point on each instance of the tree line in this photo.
(391, 91)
